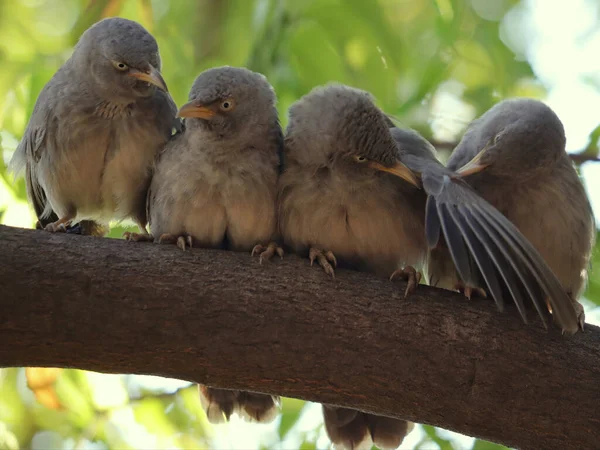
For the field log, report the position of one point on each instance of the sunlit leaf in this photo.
(485, 445)
(292, 408)
(73, 396)
(150, 412)
(8, 440)
(593, 288)
(432, 434)
(14, 413)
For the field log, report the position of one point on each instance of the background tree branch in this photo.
(589, 154)
(222, 319)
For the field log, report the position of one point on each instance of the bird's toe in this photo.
(412, 277)
(324, 259)
(470, 291)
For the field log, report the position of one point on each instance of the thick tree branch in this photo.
(284, 328)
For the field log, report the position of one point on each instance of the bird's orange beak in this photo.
(399, 170)
(152, 76)
(192, 109)
(473, 166)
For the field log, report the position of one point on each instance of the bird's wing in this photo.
(477, 232)
(483, 243)
(29, 151)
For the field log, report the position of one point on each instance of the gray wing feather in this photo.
(513, 255)
(484, 245)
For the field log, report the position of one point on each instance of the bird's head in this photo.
(517, 138)
(120, 59)
(340, 127)
(225, 101)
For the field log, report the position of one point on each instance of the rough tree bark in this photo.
(222, 319)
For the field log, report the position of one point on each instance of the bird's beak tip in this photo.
(153, 77)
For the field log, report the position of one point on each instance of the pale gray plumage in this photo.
(336, 196)
(369, 219)
(521, 167)
(96, 128)
(217, 180)
(214, 186)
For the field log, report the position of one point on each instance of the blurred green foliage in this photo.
(406, 52)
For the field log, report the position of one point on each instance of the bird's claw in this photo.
(469, 291)
(60, 226)
(137, 237)
(267, 252)
(325, 259)
(412, 277)
(182, 241)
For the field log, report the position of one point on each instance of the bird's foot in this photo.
(182, 241)
(325, 260)
(268, 251)
(60, 226)
(468, 291)
(411, 275)
(137, 237)
(72, 229)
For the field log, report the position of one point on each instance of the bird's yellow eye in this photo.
(120, 66)
(227, 104)
(360, 159)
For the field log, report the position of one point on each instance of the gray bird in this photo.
(349, 195)
(345, 197)
(514, 157)
(96, 128)
(215, 186)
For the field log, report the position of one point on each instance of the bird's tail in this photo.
(220, 404)
(349, 429)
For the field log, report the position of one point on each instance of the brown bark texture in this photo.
(222, 319)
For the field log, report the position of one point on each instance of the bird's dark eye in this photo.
(227, 105)
(360, 159)
(120, 65)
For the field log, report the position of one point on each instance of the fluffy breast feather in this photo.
(376, 227)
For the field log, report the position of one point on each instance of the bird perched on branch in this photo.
(215, 186)
(350, 195)
(346, 197)
(514, 157)
(96, 128)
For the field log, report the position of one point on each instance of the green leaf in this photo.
(150, 412)
(593, 289)
(431, 433)
(485, 445)
(292, 408)
(72, 391)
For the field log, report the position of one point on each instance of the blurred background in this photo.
(434, 64)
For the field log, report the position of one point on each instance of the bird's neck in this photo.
(108, 109)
